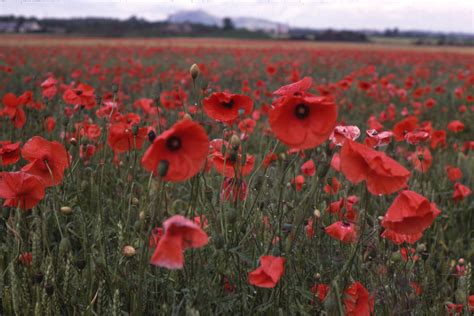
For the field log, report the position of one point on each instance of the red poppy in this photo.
(49, 124)
(49, 87)
(320, 290)
(268, 273)
(122, 137)
(342, 231)
(180, 234)
(399, 239)
(417, 136)
(155, 237)
(357, 301)
(231, 165)
(26, 258)
(13, 110)
(460, 192)
(295, 88)
(438, 139)
(410, 213)
(247, 126)
(303, 121)
(47, 160)
(269, 158)
(454, 173)
(456, 126)
(9, 152)
(421, 159)
(20, 189)
(298, 181)
(82, 95)
(234, 189)
(341, 133)
(179, 153)
(308, 168)
(225, 107)
(406, 125)
(382, 174)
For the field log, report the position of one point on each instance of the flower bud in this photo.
(235, 142)
(187, 116)
(128, 251)
(194, 71)
(66, 210)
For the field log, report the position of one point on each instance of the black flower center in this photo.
(229, 104)
(78, 92)
(173, 143)
(301, 111)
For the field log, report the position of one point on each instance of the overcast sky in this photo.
(432, 15)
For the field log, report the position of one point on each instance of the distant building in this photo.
(29, 27)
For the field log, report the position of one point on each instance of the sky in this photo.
(425, 15)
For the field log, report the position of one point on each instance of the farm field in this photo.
(210, 176)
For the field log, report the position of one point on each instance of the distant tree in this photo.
(228, 24)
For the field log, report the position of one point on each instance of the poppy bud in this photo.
(461, 261)
(235, 142)
(80, 264)
(151, 136)
(65, 120)
(66, 210)
(128, 251)
(317, 213)
(141, 215)
(194, 71)
(65, 246)
(38, 277)
(317, 276)
(187, 116)
(396, 257)
(421, 248)
(162, 169)
(135, 201)
(73, 141)
(114, 88)
(49, 288)
(134, 130)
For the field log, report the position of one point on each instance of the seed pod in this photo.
(235, 142)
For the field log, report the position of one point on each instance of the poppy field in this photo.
(222, 177)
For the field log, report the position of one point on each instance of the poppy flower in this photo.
(342, 231)
(122, 137)
(155, 237)
(247, 126)
(460, 192)
(456, 126)
(82, 95)
(416, 137)
(49, 88)
(49, 124)
(399, 239)
(296, 87)
(421, 159)
(382, 174)
(48, 160)
(320, 291)
(225, 107)
(231, 164)
(454, 173)
(333, 186)
(180, 234)
(303, 121)
(20, 189)
(13, 110)
(9, 152)
(308, 168)
(268, 273)
(269, 158)
(438, 139)
(357, 301)
(410, 213)
(234, 189)
(406, 125)
(298, 181)
(179, 153)
(341, 133)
